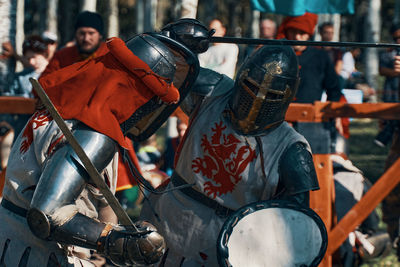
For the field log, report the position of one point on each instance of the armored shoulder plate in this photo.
(208, 81)
(296, 170)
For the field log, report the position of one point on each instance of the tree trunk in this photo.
(68, 13)
(89, 5)
(255, 24)
(5, 25)
(139, 16)
(19, 32)
(208, 11)
(396, 17)
(113, 25)
(51, 16)
(188, 8)
(373, 28)
(150, 11)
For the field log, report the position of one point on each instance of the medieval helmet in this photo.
(161, 61)
(264, 86)
(155, 54)
(190, 32)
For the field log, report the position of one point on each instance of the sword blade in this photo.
(90, 168)
(259, 41)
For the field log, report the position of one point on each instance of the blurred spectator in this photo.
(88, 42)
(149, 157)
(8, 51)
(317, 75)
(353, 78)
(326, 31)
(366, 241)
(6, 140)
(220, 57)
(349, 63)
(50, 39)
(316, 72)
(34, 51)
(172, 146)
(390, 70)
(267, 29)
(148, 153)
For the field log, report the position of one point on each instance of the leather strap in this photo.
(220, 210)
(8, 205)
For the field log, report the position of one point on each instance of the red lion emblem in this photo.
(38, 119)
(223, 162)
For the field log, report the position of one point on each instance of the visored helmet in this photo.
(190, 32)
(155, 54)
(171, 60)
(265, 85)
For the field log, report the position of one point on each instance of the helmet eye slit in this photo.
(250, 87)
(272, 95)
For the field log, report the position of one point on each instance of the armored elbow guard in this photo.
(296, 170)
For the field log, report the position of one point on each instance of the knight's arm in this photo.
(208, 83)
(297, 174)
(54, 215)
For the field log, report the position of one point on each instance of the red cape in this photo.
(105, 91)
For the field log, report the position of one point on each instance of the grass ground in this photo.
(370, 159)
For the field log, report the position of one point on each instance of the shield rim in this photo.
(234, 218)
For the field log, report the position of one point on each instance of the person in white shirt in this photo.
(220, 57)
(349, 63)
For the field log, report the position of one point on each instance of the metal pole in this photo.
(256, 41)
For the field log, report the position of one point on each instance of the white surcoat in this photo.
(224, 166)
(29, 155)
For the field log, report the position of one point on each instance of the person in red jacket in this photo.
(88, 43)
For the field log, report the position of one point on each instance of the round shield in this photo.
(272, 233)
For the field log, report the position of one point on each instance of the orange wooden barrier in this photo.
(297, 112)
(320, 111)
(17, 105)
(322, 200)
(360, 211)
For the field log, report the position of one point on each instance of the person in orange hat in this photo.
(317, 75)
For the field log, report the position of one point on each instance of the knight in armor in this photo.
(51, 213)
(237, 150)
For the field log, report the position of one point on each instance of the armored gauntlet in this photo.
(124, 247)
